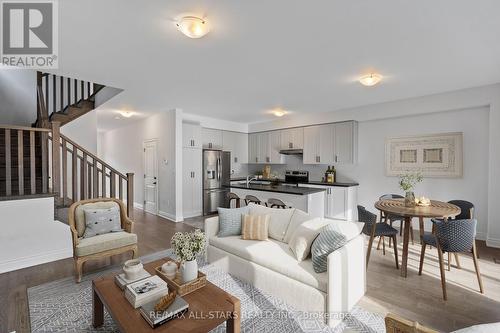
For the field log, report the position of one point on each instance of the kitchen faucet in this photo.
(249, 180)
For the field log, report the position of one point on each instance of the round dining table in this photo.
(396, 207)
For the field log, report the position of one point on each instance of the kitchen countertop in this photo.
(312, 182)
(279, 189)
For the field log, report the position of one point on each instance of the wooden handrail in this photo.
(22, 128)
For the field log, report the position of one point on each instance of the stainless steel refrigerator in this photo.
(216, 180)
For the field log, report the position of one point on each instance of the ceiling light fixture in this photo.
(278, 112)
(126, 114)
(192, 26)
(370, 79)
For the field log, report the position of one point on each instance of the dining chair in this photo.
(394, 218)
(466, 213)
(455, 236)
(233, 196)
(276, 203)
(374, 229)
(252, 199)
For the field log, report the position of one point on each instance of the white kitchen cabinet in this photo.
(264, 147)
(212, 138)
(253, 148)
(319, 144)
(237, 144)
(192, 182)
(191, 135)
(345, 142)
(340, 201)
(292, 138)
(274, 147)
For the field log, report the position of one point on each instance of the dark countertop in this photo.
(279, 189)
(312, 182)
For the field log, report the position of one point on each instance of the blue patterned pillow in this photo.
(329, 240)
(230, 221)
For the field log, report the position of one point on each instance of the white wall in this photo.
(83, 130)
(122, 148)
(474, 111)
(17, 96)
(215, 123)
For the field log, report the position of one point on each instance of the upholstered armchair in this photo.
(99, 246)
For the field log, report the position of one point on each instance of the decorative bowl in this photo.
(132, 268)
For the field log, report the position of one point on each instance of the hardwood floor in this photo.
(416, 297)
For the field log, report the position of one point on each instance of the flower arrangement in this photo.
(187, 245)
(408, 180)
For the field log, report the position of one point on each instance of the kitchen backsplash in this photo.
(294, 162)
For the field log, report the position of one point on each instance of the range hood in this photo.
(291, 151)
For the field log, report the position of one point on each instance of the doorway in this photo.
(150, 159)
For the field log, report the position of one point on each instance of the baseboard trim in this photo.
(170, 217)
(138, 206)
(197, 214)
(493, 242)
(481, 236)
(38, 259)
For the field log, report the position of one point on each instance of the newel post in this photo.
(56, 159)
(130, 194)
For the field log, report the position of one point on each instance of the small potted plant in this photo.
(187, 246)
(407, 182)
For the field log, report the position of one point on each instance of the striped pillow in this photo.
(255, 227)
(329, 240)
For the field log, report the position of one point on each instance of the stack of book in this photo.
(122, 281)
(156, 318)
(146, 290)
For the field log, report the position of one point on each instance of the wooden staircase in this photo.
(64, 98)
(39, 160)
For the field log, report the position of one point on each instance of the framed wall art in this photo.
(434, 155)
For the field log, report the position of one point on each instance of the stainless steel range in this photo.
(296, 176)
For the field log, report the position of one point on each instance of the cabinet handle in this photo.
(256, 159)
(210, 145)
(290, 145)
(236, 160)
(267, 159)
(335, 157)
(193, 142)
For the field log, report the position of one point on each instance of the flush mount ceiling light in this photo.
(126, 114)
(192, 26)
(370, 79)
(278, 112)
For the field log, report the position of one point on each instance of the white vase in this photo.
(189, 270)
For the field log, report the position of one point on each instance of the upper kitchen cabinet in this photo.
(274, 147)
(319, 144)
(345, 142)
(237, 144)
(253, 148)
(292, 138)
(211, 138)
(265, 148)
(191, 135)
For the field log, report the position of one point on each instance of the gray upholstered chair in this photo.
(252, 199)
(374, 229)
(233, 196)
(393, 218)
(453, 236)
(276, 203)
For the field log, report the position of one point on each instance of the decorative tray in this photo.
(177, 284)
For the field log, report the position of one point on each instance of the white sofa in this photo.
(272, 266)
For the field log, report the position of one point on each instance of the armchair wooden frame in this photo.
(126, 224)
(397, 324)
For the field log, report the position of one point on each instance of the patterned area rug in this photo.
(64, 306)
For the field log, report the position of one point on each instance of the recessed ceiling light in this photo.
(278, 112)
(126, 114)
(192, 26)
(370, 79)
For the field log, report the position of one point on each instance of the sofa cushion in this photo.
(255, 227)
(297, 219)
(279, 219)
(275, 256)
(230, 221)
(102, 221)
(80, 214)
(332, 237)
(104, 242)
(304, 235)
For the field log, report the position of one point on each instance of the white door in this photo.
(150, 177)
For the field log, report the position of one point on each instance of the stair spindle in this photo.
(130, 194)
(76, 91)
(32, 163)
(47, 92)
(8, 164)
(82, 88)
(83, 177)
(88, 90)
(74, 174)
(45, 161)
(54, 94)
(20, 162)
(95, 180)
(69, 92)
(103, 181)
(56, 159)
(61, 81)
(112, 184)
(64, 159)
(89, 180)
(120, 188)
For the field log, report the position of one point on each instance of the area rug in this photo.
(65, 306)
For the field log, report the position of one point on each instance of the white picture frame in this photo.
(433, 155)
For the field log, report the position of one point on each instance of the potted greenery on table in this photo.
(187, 246)
(407, 182)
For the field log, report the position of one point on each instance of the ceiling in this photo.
(302, 56)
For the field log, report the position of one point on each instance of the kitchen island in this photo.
(308, 199)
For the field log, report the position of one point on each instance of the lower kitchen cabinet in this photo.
(192, 187)
(340, 201)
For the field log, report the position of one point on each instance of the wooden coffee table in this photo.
(209, 307)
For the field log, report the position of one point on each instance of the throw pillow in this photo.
(332, 237)
(102, 221)
(303, 237)
(230, 221)
(279, 219)
(255, 227)
(297, 219)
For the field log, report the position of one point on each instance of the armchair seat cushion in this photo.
(105, 242)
